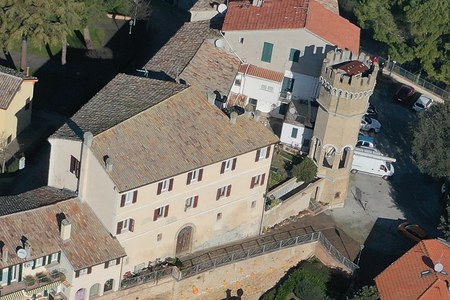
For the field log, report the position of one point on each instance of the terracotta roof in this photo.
(211, 69)
(412, 275)
(90, 243)
(351, 68)
(255, 71)
(175, 55)
(293, 14)
(33, 199)
(122, 98)
(179, 134)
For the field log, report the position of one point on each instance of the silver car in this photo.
(423, 103)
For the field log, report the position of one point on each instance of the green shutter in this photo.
(267, 52)
(294, 55)
(49, 259)
(34, 264)
(44, 260)
(59, 256)
(20, 273)
(9, 275)
(1, 275)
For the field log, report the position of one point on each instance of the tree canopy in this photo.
(416, 31)
(431, 143)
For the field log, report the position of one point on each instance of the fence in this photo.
(150, 277)
(393, 67)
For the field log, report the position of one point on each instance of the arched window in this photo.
(109, 285)
(316, 150)
(94, 290)
(328, 158)
(343, 162)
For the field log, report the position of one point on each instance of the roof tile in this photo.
(255, 71)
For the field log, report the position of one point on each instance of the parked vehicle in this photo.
(413, 231)
(372, 111)
(423, 103)
(372, 162)
(404, 93)
(369, 124)
(365, 141)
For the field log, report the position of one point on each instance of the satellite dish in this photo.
(292, 110)
(22, 253)
(222, 8)
(438, 267)
(219, 43)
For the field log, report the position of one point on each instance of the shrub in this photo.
(305, 171)
(366, 293)
(306, 289)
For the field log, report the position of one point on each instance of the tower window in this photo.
(343, 162)
(328, 158)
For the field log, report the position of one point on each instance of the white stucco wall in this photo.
(305, 87)
(59, 175)
(302, 135)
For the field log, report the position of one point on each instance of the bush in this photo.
(366, 293)
(305, 171)
(306, 289)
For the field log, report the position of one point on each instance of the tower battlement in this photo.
(343, 70)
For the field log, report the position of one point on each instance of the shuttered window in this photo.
(228, 165)
(125, 225)
(294, 55)
(74, 166)
(128, 198)
(194, 176)
(191, 202)
(262, 153)
(165, 186)
(257, 180)
(162, 211)
(267, 52)
(224, 191)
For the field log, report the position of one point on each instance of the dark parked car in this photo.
(404, 93)
(229, 110)
(372, 111)
(413, 231)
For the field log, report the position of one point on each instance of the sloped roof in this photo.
(175, 55)
(10, 81)
(122, 98)
(33, 199)
(90, 243)
(403, 279)
(293, 14)
(211, 69)
(179, 134)
(255, 71)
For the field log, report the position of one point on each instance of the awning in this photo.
(19, 295)
(42, 288)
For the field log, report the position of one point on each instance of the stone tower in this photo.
(347, 82)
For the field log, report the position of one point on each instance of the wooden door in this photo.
(184, 240)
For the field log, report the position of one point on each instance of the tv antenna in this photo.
(222, 8)
(438, 267)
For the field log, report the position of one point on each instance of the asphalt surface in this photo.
(375, 207)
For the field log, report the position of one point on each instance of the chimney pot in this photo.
(66, 229)
(5, 255)
(109, 165)
(87, 138)
(233, 117)
(257, 115)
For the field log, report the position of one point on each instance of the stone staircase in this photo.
(315, 207)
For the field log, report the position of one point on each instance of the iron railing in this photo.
(150, 277)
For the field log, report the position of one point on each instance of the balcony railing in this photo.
(30, 283)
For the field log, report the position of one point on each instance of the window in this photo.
(343, 162)
(112, 263)
(287, 86)
(257, 180)
(262, 153)
(267, 52)
(125, 225)
(294, 133)
(159, 237)
(128, 198)
(237, 82)
(191, 202)
(9, 139)
(219, 216)
(38, 262)
(53, 257)
(163, 211)
(74, 166)
(253, 204)
(224, 191)
(194, 176)
(294, 55)
(270, 88)
(83, 272)
(228, 165)
(165, 186)
(337, 195)
(241, 40)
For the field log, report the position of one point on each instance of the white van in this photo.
(372, 162)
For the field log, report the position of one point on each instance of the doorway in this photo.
(184, 240)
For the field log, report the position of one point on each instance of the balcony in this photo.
(34, 284)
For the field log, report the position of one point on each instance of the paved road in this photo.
(375, 207)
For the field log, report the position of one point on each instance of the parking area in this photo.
(375, 207)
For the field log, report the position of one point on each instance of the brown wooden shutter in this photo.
(268, 152)
(122, 200)
(170, 184)
(200, 175)
(159, 188)
(77, 274)
(155, 215)
(189, 178)
(72, 164)
(135, 196)
(119, 227)
(89, 270)
(118, 261)
(166, 211)
(257, 155)
(131, 226)
(234, 164)
(218, 194)
(195, 202)
(228, 190)
(106, 265)
(252, 184)
(222, 168)
(263, 177)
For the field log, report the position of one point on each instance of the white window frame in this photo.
(129, 198)
(223, 191)
(125, 225)
(165, 185)
(262, 153)
(112, 263)
(39, 262)
(190, 202)
(54, 257)
(195, 175)
(264, 87)
(83, 271)
(228, 165)
(161, 211)
(257, 179)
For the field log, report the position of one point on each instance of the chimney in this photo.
(248, 110)
(109, 165)
(66, 229)
(233, 117)
(29, 249)
(87, 138)
(257, 115)
(257, 3)
(5, 255)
